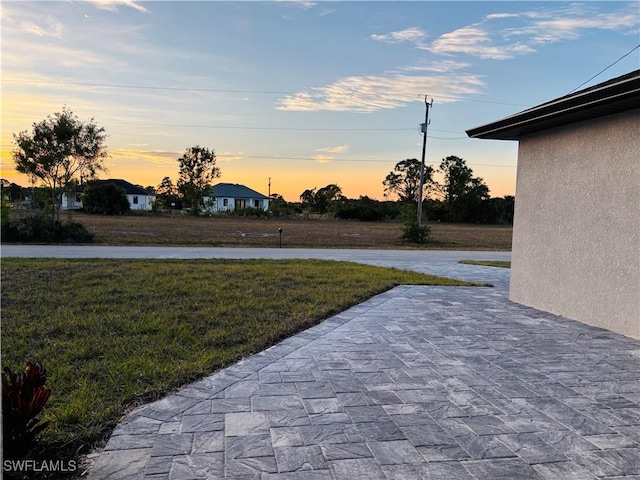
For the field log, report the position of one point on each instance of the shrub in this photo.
(6, 222)
(105, 198)
(43, 229)
(23, 399)
(245, 212)
(414, 233)
(411, 231)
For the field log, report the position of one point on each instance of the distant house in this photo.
(233, 196)
(576, 237)
(139, 198)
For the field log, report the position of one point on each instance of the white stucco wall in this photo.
(576, 243)
(219, 206)
(145, 202)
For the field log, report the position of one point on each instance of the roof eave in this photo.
(591, 103)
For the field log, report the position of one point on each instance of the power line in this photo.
(606, 68)
(215, 90)
(481, 101)
(345, 160)
(311, 129)
(147, 87)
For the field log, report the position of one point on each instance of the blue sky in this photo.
(307, 93)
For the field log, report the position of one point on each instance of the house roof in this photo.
(129, 188)
(235, 190)
(613, 96)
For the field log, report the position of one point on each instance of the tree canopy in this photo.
(404, 180)
(463, 193)
(106, 198)
(197, 171)
(321, 200)
(60, 148)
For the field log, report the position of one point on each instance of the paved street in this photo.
(416, 383)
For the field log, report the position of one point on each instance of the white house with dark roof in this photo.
(139, 198)
(576, 233)
(225, 197)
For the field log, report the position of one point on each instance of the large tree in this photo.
(404, 181)
(462, 192)
(321, 201)
(59, 150)
(197, 171)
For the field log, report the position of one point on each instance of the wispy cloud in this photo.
(368, 94)
(323, 158)
(51, 28)
(230, 156)
(336, 149)
(112, 5)
(156, 157)
(444, 66)
(412, 34)
(570, 23)
(501, 36)
(476, 42)
(303, 4)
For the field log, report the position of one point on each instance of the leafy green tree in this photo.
(404, 181)
(59, 149)
(167, 196)
(278, 206)
(197, 171)
(308, 198)
(166, 187)
(326, 197)
(366, 209)
(462, 192)
(105, 198)
(321, 201)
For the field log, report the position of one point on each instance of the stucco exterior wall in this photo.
(576, 245)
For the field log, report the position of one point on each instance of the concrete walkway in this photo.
(416, 383)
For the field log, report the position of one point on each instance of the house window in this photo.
(256, 203)
(135, 199)
(225, 202)
(78, 199)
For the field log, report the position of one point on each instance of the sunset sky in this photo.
(306, 93)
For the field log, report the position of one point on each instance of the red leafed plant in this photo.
(23, 398)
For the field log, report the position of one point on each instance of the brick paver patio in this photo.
(416, 383)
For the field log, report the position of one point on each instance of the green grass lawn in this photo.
(114, 334)
(487, 263)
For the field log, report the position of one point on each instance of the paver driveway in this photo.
(416, 383)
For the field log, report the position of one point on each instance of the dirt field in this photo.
(143, 229)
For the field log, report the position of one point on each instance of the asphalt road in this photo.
(354, 255)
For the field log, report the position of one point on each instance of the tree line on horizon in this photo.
(62, 151)
(460, 197)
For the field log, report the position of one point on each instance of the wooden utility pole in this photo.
(423, 128)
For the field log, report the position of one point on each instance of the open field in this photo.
(176, 230)
(116, 333)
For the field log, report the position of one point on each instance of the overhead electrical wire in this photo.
(344, 160)
(215, 90)
(606, 68)
(311, 129)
